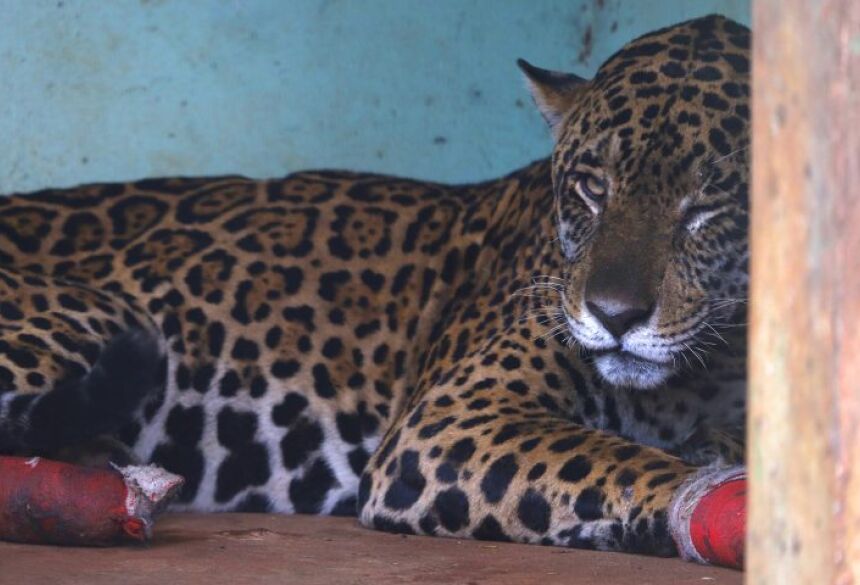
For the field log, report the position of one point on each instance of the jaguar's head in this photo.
(650, 172)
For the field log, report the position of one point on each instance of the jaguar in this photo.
(549, 357)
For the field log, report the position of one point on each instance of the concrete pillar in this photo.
(804, 462)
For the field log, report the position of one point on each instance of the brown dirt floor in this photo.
(258, 549)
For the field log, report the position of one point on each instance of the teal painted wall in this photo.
(97, 90)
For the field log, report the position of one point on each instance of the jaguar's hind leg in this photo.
(101, 451)
(76, 365)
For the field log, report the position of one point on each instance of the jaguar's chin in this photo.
(626, 370)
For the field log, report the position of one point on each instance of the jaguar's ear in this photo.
(553, 92)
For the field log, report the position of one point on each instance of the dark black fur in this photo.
(130, 368)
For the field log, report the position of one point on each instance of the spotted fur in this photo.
(540, 358)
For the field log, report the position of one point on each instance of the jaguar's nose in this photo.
(619, 316)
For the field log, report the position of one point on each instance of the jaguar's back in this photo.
(290, 311)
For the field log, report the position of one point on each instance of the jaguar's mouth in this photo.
(628, 370)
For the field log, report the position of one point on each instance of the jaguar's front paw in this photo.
(707, 517)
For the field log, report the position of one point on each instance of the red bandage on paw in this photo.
(708, 517)
(48, 502)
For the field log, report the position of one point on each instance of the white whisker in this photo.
(729, 155)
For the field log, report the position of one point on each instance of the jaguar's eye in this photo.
(592, 190)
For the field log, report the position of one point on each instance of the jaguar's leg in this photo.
(709, 446)
(100, 451)
(76, 364)
(496, 464)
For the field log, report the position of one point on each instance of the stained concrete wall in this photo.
(92, 90)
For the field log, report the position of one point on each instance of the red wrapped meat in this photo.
(48, 502)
